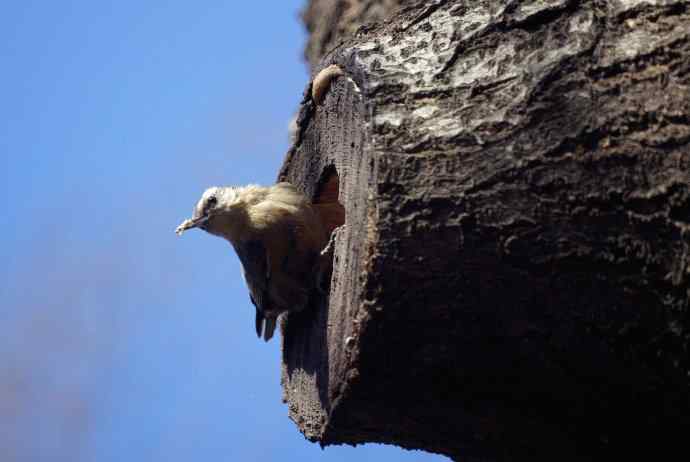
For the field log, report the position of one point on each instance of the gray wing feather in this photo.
(253, 257)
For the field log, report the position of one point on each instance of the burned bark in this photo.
(512, 280)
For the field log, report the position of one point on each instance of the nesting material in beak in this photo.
(189, 224)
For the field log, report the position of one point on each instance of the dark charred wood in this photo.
(513, 276)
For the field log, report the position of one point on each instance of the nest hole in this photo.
(330, 210)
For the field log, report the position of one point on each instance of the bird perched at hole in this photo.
(278, 237)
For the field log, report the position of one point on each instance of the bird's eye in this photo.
(209, 203)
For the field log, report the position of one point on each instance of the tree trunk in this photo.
(330, 21)
(512, 280)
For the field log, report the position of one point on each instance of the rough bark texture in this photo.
(512, 282)
(330, 21)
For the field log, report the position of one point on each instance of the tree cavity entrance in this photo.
(330, 210)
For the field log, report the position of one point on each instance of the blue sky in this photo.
(118, 340)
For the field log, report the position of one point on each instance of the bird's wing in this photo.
(255, 268)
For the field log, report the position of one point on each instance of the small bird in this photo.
(277, 235)
(322, 82)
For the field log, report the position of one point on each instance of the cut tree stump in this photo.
(513, 276)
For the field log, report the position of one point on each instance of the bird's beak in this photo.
(191, 223)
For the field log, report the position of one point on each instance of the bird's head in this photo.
(213, 209)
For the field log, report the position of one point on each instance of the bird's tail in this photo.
(269, 328)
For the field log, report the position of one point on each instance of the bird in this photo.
(322, 82)
(278, 237)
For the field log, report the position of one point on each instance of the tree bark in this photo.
(512, 280)
(330, 21)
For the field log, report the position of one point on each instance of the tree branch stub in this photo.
(512, 280)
